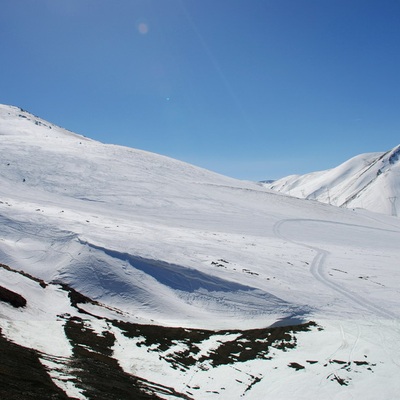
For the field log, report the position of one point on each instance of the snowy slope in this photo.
(159, 242)
(370, 181)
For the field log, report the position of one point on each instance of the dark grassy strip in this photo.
(41, 282)
(249, 345)
(99, 375)
(22, 376)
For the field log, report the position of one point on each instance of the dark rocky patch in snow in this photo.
(296, 366)
(76, 298)
(248, 344)
(395, 155)
(10, 297)
(98, 374)
(22, 376)
(256, 344)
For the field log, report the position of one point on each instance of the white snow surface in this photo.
(167, 243)
(370, 181)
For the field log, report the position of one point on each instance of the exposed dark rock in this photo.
(296, 366)
(15, 299)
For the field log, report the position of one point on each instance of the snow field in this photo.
(161, 242)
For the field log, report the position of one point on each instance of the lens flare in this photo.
(143, 28)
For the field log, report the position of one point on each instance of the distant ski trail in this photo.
(317, 266)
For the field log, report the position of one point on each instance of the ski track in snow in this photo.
(317, 268)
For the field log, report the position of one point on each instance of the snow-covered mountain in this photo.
(370, 181)
(125, 274)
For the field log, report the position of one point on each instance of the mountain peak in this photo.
(370, 181)
(17, 121)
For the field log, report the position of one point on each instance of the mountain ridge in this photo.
(370, 181)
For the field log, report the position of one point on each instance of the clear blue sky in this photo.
(253, 89)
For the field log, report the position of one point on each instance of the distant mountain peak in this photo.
(370, 181)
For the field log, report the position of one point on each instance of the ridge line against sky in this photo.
(255, 89)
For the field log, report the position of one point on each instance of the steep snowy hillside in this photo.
(126, 274)
(370, 181)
